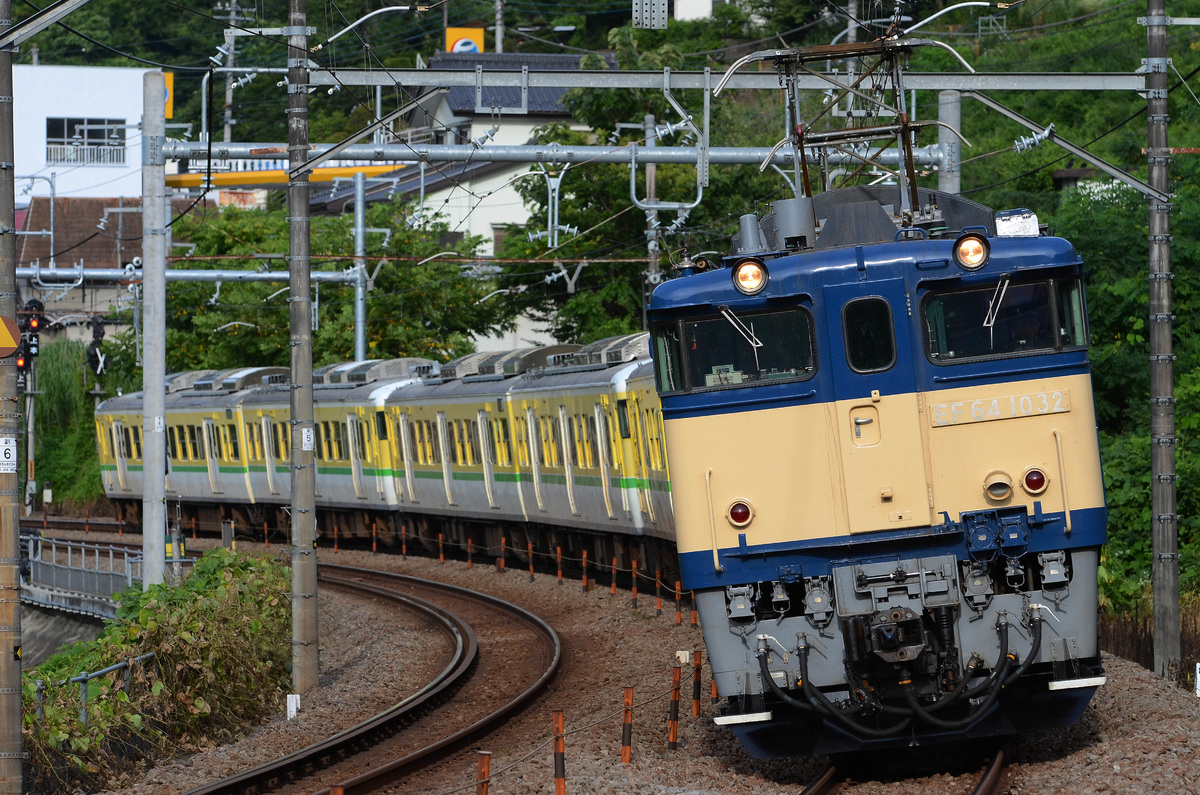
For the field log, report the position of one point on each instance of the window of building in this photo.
(98, 142)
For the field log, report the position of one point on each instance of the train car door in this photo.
(535, 455)
(120, 452)
(404, 443)
(603, 452)
(487, 450)
(447, 454)
(877, 408)
(270, 446)
(354, 429)
(567, 433)
(212, 454)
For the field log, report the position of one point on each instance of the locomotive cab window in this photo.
(1006, 319)
(870, 336)
(731, 350)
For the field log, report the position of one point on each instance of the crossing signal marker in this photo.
(10, 336)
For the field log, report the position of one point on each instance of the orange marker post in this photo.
(627, 728)
(503, 553)
(87, 516)
(715, 696)
(658, 592)
(585, 571)
(560, 755)
(613, 589)
(403, 540)
(193, 528)
(529, 551)
(374, 548)
(696, 684)
(558, 557)
(470, 546)
(483, 774)
(678, 605)
(335, 538)
(695, 613)
(673, 725)
(635, 583)
(266, 537)
(441, 550)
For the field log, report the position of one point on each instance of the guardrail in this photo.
(82, 680)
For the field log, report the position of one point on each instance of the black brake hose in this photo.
(782, 694)
(1000, 670)
(827, 708)
(1034, 648)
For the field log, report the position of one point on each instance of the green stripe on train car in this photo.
(422, 474)
(475, 476)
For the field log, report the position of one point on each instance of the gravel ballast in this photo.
(1137, 736)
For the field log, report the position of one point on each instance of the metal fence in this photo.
(83, 568)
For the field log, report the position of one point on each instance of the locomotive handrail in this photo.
(712, 523)
(1062, 478)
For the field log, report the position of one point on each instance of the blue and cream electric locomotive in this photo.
(885, 471)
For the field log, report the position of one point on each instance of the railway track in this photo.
(477, 690)
(30, 524)
(989, 781)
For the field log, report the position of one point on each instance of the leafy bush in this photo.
(222, 654)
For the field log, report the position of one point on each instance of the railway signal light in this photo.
(22, 359)
(34, 318)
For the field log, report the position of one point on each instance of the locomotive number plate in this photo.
(962, 412)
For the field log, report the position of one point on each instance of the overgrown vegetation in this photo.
(429, 311)
(222, 653)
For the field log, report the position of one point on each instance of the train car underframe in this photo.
(482, 540)
(898, 653)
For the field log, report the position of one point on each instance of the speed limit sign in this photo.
(8, 455)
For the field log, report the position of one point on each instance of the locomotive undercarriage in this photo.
(885, 653)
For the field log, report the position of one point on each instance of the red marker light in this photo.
(740, 514)
(1035, 481)
(34, 323)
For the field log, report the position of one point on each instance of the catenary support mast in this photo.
(304, 481)
(10, 429)
(154, 321)
(1164, 511)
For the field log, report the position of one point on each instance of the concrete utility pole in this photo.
(950, 115)
(305, 660)
(1164, 513)
(360, 267)
(10, 429)
(154, 321)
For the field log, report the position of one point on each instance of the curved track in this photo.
(415, 732)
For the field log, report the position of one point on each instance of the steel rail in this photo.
(392, 772)
(993, 775)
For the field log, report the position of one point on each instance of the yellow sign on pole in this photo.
(10, 336)
(464, 39)
(169, 77)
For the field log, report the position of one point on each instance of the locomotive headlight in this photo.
(997, 485)
(971, 252)
(1034, 481)
(739, 513)
(750, 276)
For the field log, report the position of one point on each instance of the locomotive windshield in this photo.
(730, 350)
(1006, 319)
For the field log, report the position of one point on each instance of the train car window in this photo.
(260, 451)
(522, 445)
(435, 444)
(342, 434)
(233, 442)
(381, 430)
(731, 350)
(322, 429)
(506, 442)
(363, 447)
(183, 447)
(614, 451)
(416, 432)
(589, 440)
(668, 359)
(870, 335)
(623, 418)
(454, 437)
(126, 447)
(193, 442)
(473, 442)
(1005, 319)
(171, 446)
(1072, 318)
(137, 442)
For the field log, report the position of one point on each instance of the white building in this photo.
(79, 124)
